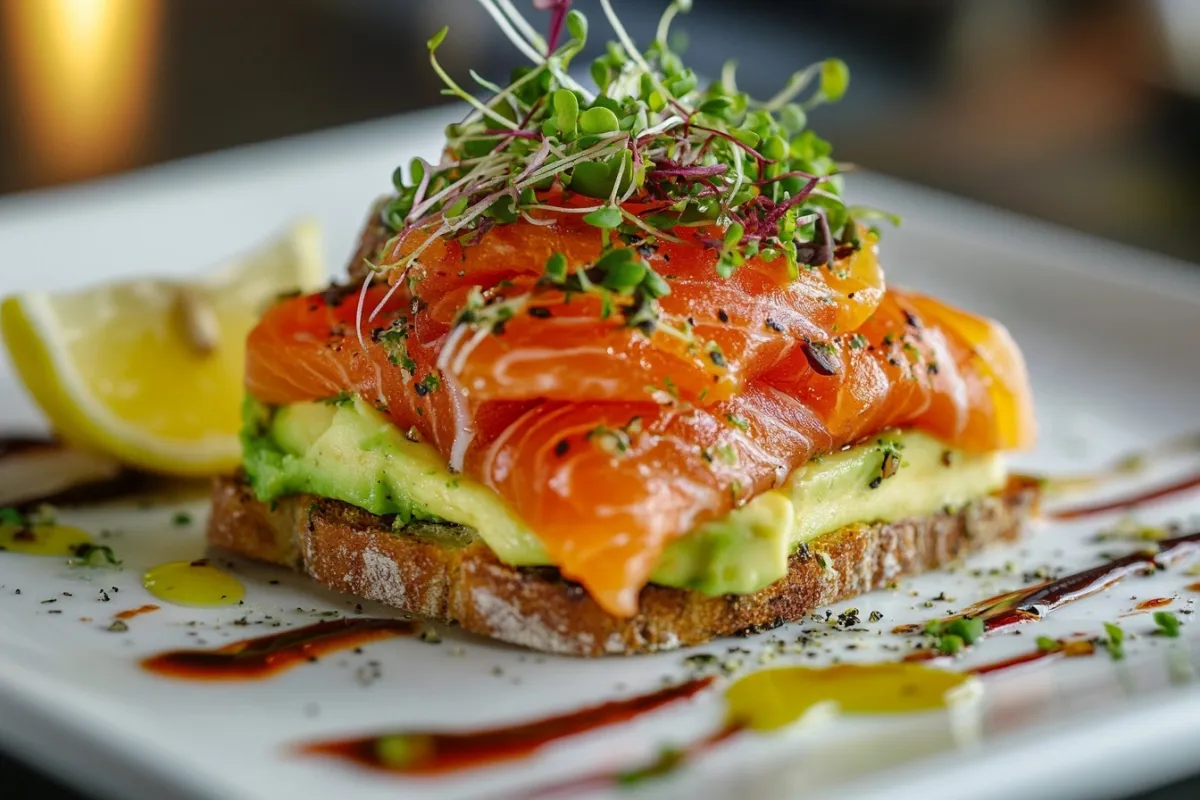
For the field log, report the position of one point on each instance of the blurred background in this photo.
(1084, 112)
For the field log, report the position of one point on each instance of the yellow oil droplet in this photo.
(193, 583)
(775, 698)
(42, 540)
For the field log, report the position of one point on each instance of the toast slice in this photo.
(445, 573)
(371, 239)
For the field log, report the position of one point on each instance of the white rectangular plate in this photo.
(1110, 335)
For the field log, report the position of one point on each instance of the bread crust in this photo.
(374, 235)
(459, 580)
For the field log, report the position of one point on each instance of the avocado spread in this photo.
(346, 450)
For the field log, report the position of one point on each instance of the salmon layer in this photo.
(612, 440)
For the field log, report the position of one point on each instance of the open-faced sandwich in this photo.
(620, 373)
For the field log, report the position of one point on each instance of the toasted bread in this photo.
(374, 235)
(446, 573)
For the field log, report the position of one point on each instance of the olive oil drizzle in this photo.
(42, 540)
(193, 583)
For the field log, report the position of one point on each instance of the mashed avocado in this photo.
(346, 450)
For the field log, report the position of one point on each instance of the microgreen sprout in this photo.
(690, 155)
(645, 156)
(1048, 645)
(619, 274)
(955, 634)
(1114, 640)
(1168, 623)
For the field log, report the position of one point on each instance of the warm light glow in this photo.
(83, 73)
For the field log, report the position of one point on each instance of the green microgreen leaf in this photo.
(577, 25)
(607, 217)
(416, 169)
(592, 179)
(1168, 623)
(835, 79)
(1114, 641)
(655, 285)
(725, 266)
(955, 633)
(601, 74)
(398, 179)
(566, 111)
(556, 268)
(11, 516)
(436, 40)
(746, 136)
(623, 271)
(715, 106)
(598, 119)
(682, 85)
(793, 119)
(734, 234)
(970, 629)
(738, 421)
(503, 210)
(950, 644)
(1047, 644)
(775, 148)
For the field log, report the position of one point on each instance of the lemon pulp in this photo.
(150, 371)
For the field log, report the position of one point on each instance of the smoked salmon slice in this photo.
(611, 442)
(713, 337)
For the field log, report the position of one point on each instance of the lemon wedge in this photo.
(150, 371)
